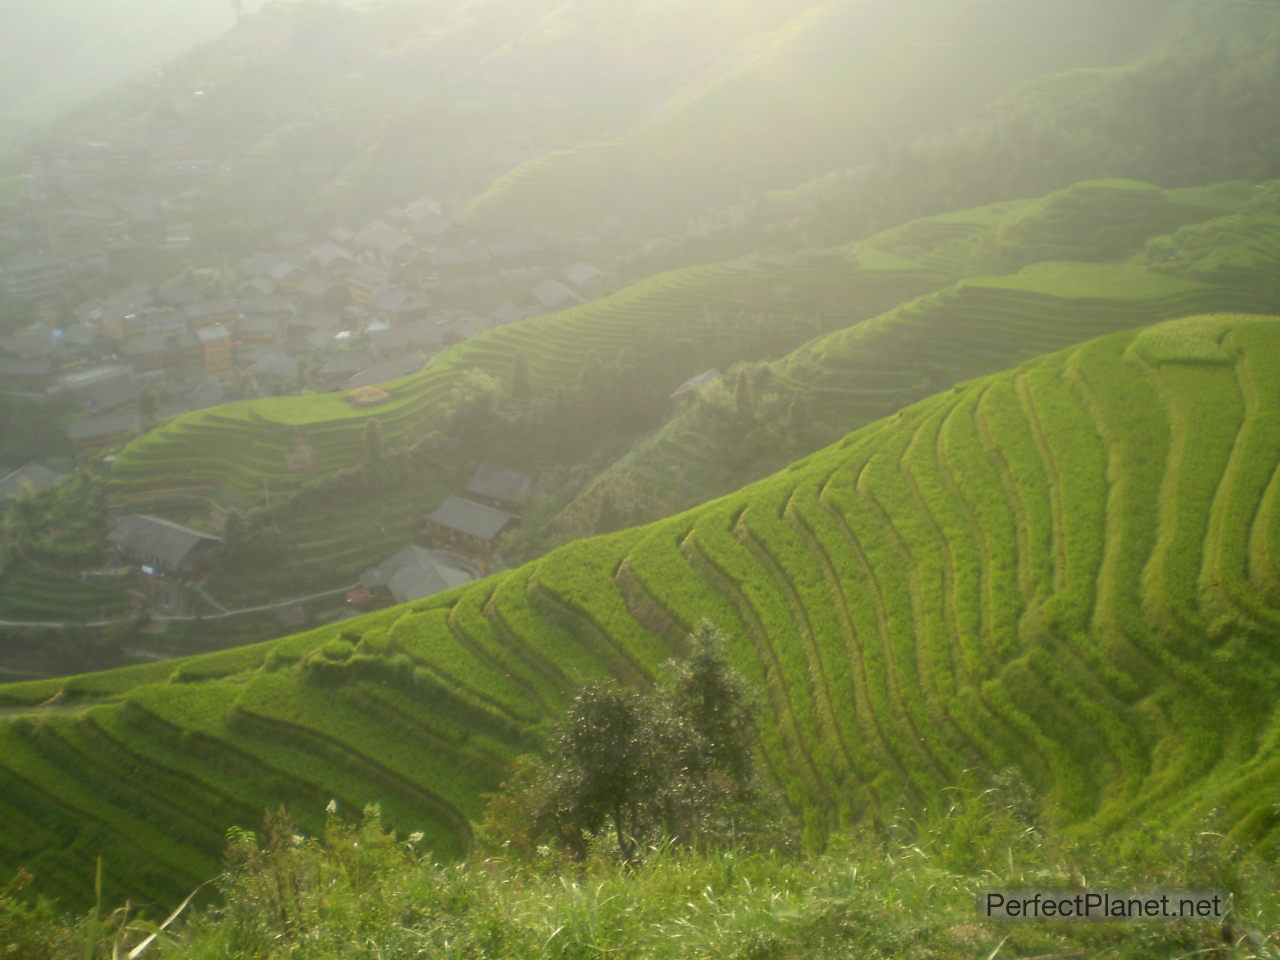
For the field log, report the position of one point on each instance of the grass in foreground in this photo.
(907, 891)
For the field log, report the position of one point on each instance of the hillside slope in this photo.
(1108, 265)
(1069, 569)
(716, 315)
(818, 92)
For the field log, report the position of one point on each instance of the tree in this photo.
(638, 767)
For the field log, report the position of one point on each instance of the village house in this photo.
(215, 348)
(31, 376)
(209, 393)
(553, 295)
(101, 390)
(396, 306)
(210, 311)
(286, 275)
(322, 292)
(499, 486)
(259, 286)
(393, 369)
(363, 280)
(147, 322)
(79, 345)
(412, 574)
(100, 433)
(326, 255)
(170, 558)
(585, 277)
(342, 365)
(36, 276)
(272, 370)
(469, 528)
(508, 313)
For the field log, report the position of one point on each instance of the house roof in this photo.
(178, 295)
(145, 346)
(266, 306)
(274, 363)
(30, 343)
(381, 236)
(499, 483)
(421, 208)
(36, 475)
(313, 320)
(508, 313)
(98, 428)
(37, 367)
(114, 389)
(215, 331)
(209, 394)
(260, 285)
(553, 293)
(368, 274)
(391, 299)
(156, 539)
(348, 362)
(470, 518)
(416, 572)
(210, 307)
(401, 366)
(464, 327)
(316, 287)
(284, 270)
(328, 253)
(582, 273)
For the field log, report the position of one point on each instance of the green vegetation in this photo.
(672, 766)
(1063, 569)
(35, 593)
(353, 890)
(764, 417)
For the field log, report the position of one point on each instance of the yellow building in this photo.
(215, 348)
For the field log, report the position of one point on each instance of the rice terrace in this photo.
(749, 480)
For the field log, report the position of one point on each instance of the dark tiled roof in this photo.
(98, 428)
(552, 293)
(416, 572)
(401, 366)
(499, 483)
(154, 539)
(471, 518)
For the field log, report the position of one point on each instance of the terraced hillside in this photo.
(1069, 569)
(1011, 306)
(717, 313)
(712, 315)
(33, 593)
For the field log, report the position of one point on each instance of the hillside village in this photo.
(338, 311)
(342, 309)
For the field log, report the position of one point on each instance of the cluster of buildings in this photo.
(168, 562)
(463, 532)
(334, 311)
